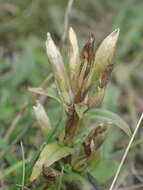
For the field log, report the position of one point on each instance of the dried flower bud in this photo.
(60, 74)
(99, 135)
(96, 98)
(103, 57)
(42, 118)
(51, 175)
(95, 139)
(73, 53)
(82, 74)
(88, 51)
(87, 59)
(106, 75)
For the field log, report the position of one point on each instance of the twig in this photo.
(23, 168)
(66, 20)
(126, 152)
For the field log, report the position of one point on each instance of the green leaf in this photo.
(51, 153)
(80, 110)
(32, 162)
(50, 92)
(105, 170)
(110, 116)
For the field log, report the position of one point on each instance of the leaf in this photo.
(51, 153)
(105, 170)
(50, 92)
(32, 162)
(80, 109)
(94, 161)
(110, 116)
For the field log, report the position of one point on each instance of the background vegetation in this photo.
(23, 64)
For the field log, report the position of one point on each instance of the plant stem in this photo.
(72, 125)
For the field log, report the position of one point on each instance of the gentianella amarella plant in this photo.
(72, 155)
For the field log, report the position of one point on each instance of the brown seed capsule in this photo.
(88, 53)
(106, 75)
(87, 59)
(94, 140)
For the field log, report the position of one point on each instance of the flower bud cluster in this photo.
(89, 70)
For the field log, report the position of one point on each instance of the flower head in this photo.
(88, 72)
